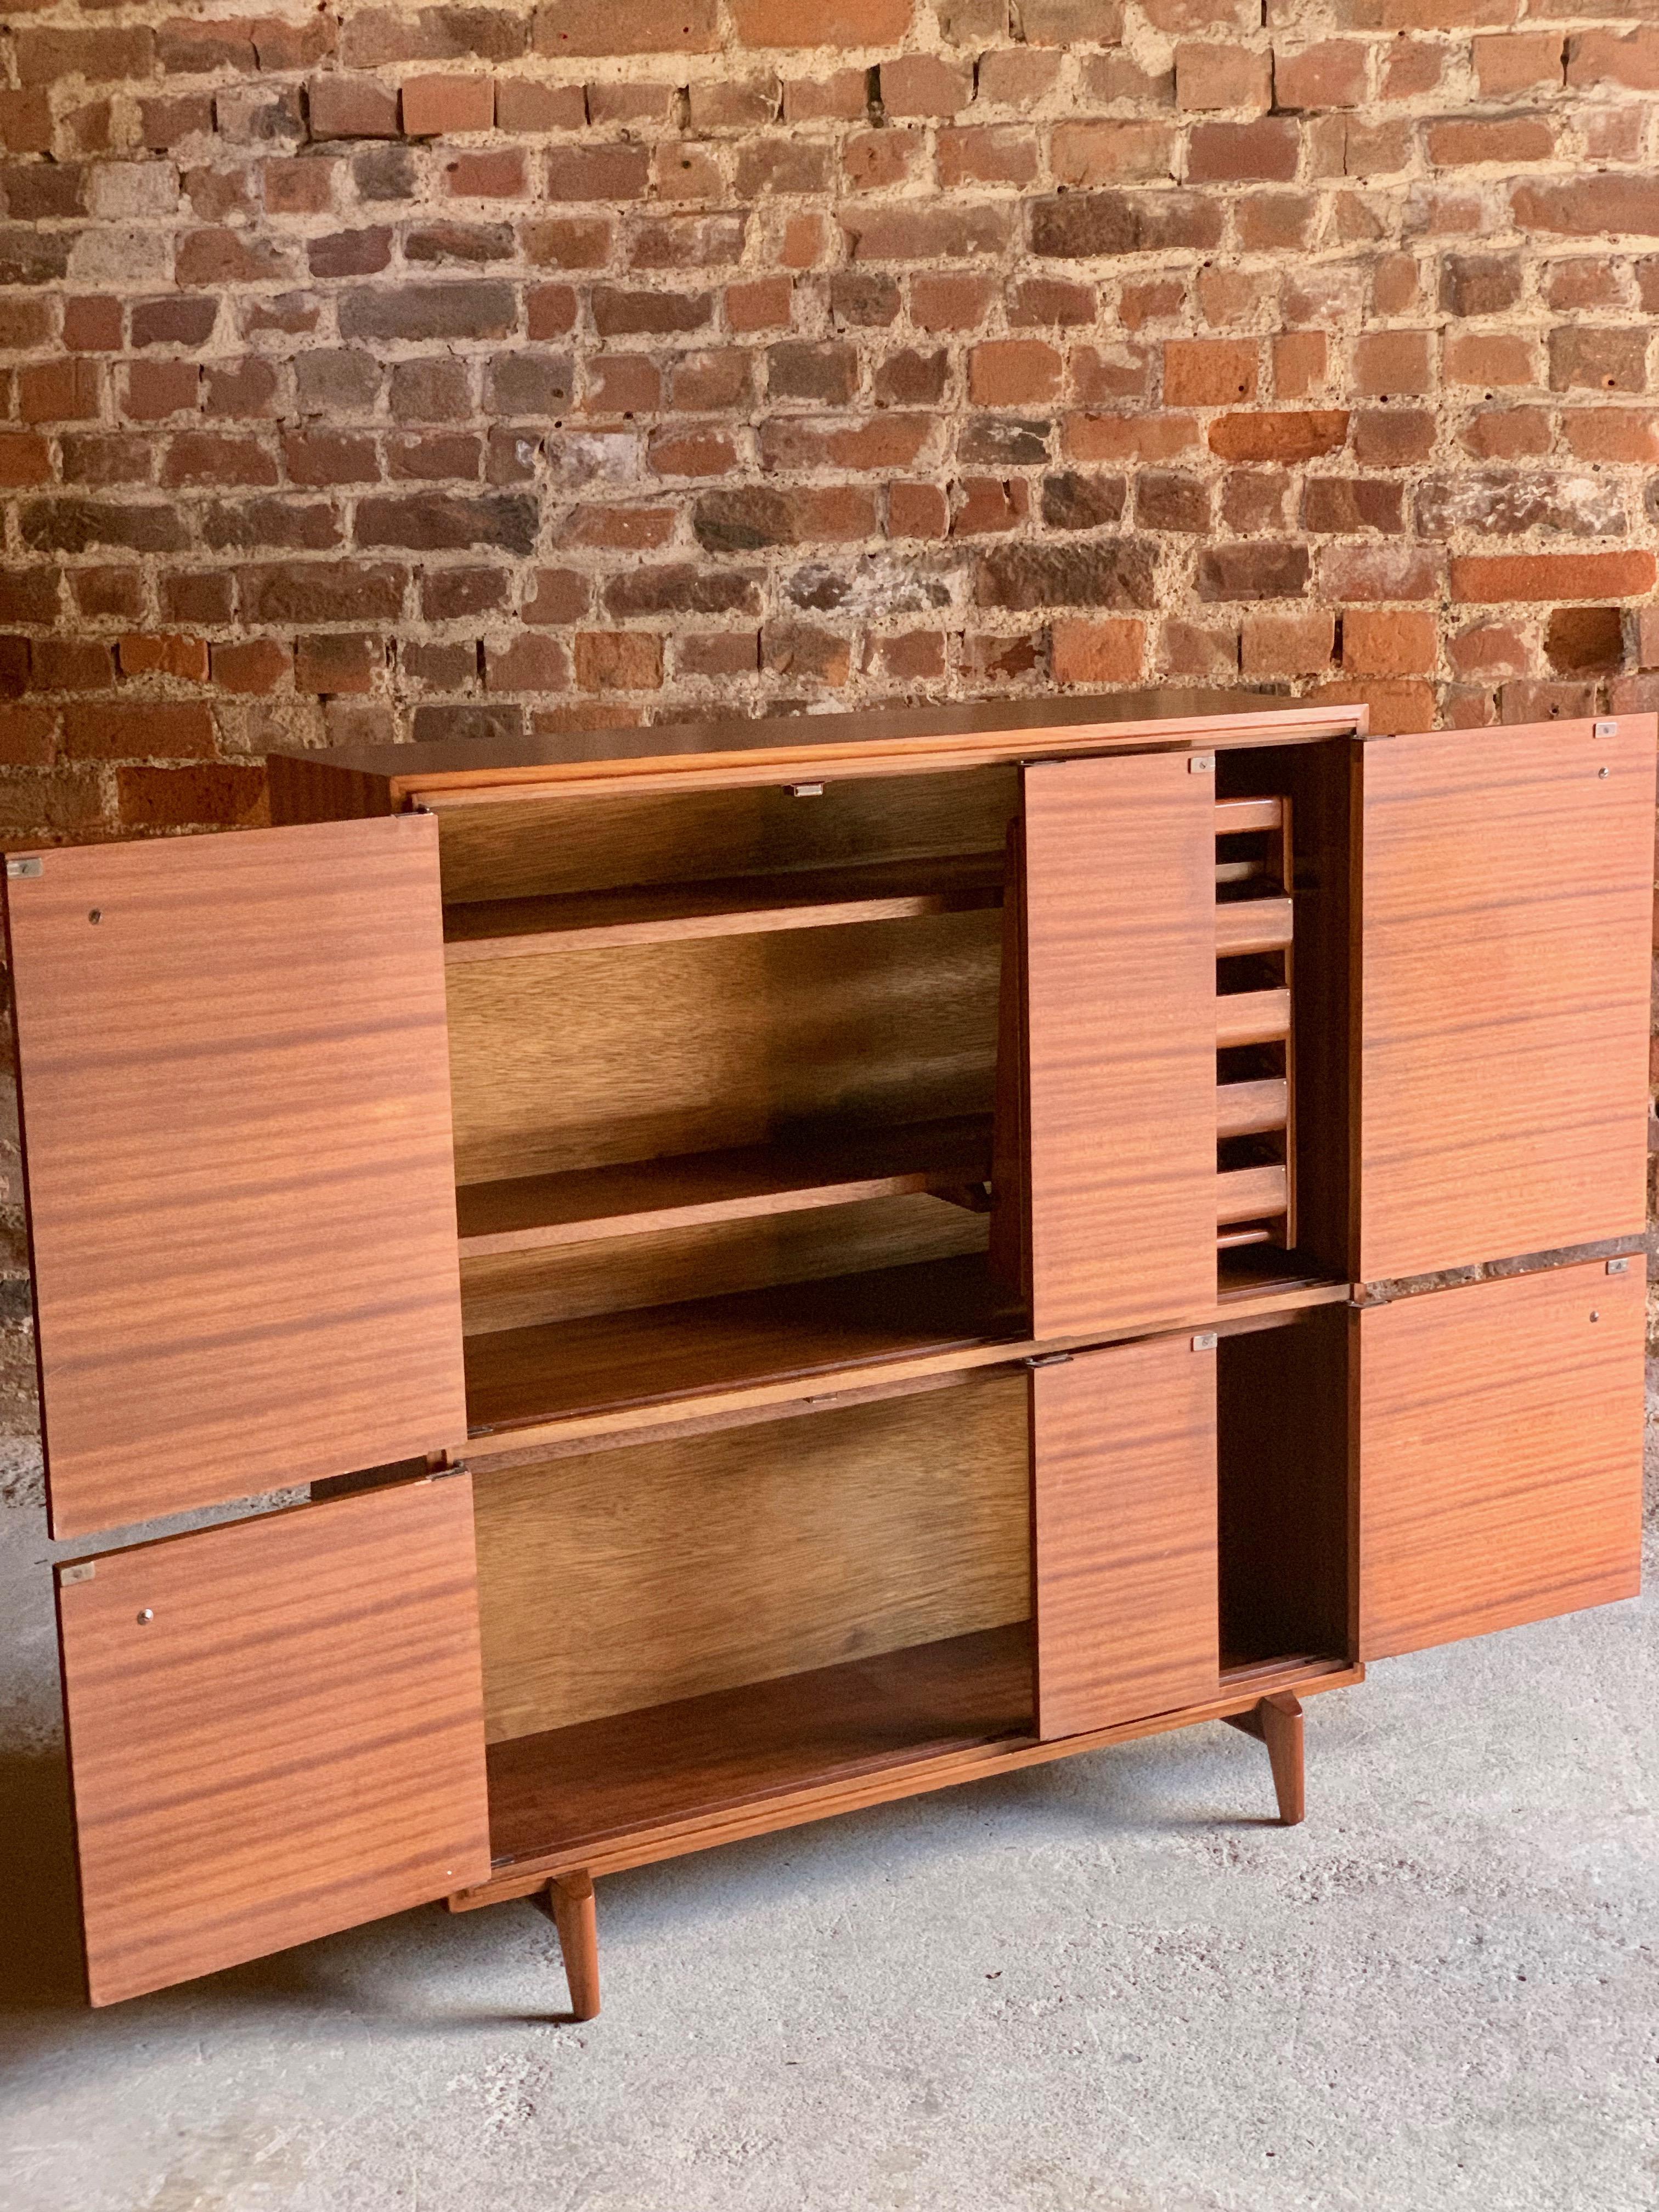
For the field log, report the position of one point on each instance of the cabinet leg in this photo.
(570, 1900)
(1277, 1721)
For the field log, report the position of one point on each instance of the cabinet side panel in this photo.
(1124, 1534)
(1506, 905)
(276, 1731)
(240, 1175)
(1500, 1454)
(1120, 992)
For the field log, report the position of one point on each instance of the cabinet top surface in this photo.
(986, 729)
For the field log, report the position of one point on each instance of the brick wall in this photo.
(377, 370)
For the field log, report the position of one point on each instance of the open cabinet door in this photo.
(235, 1094)
(1124, 1534)
(1499, 1435)
(1118, 946)
(276, 1731)
(1506, 897)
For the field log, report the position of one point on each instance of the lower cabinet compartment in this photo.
(672, 1627)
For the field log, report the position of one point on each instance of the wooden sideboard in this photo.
(803, 1262)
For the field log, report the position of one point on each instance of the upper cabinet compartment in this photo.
(1506, 886)
(241, 1179)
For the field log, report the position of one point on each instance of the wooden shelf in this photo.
(1250, 1193)
(573, 1789)
(1251, 1109)
(735, 906)
(1233, 816)
(517, 1378)
(1252, 1017)
(1256, 925)
(685, 1188)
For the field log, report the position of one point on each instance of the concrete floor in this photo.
(1110, 1985)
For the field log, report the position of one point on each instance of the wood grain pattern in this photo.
(518, 1290)
(517, 1377)
(533, 848)
(1498, 1431)
(681, 1566)
(890, 740)
(241, 1177)
(570, 1899)
(288, 1741)
(1253, 925)
(572, 1788)
(891, 1775)
(1123, 1473)
(1249, 1194)
(1252, 1017)
(1121, 1022)
(589, 1058)
(1243, 1109)
(635, 1197)
(1506, 905)
(745, 906)
(1277, 1721)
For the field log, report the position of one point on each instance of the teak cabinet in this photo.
(804, 1262)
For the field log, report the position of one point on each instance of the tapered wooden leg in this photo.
(1277, 1721)
(570, 1900)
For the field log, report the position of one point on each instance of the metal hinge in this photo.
(1201, 764)
(1048, 1359)
(1205, 1340)
(804, 790)
(81, 1572)
(440, 1474)
(17, 868)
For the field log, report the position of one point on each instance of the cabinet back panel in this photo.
(527, 848)
(625, 1578)
(519, 1290)
(584, 1058)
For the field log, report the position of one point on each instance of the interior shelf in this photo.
(686, 1189)
(734, 906)
(570, 1788)
(1245, 1109)
(1252, 1017)
(1253, 925)
(605, 1362)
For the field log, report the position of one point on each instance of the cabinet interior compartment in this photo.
(674, 1626)
(723, 1083)
(1283, 891)
(1283, 1489)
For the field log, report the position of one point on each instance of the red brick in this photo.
(1376, 573)
(1084, 154)
(643, 27)
(69, 664)
(337, 663)
(102, 56)
(156, 730)
(1230, 153)
(1505, 139)
(186, 658)
(59, 390)
(212, 794)
(1209, 76)
(1516, 61)
(1110, 652)
(1330, 75)
(1299, 644)
(768, 23)
(706, 451)
(1393, 364)
(256, 664)
(985, 505)
(1013, 372)
(1491, 579)
(489, 173)
(719, 653)
(1611, 434)
(433, 106)
(1392, 706)
(1587, 359)
(351, 107)
(92, 326)
(998, 153)
(1489, 358)
(925, 85)
(917, 510)
(1591, 206)
(1397, 643)
(1209, 371)
(1628, 59)
(527, 664)
(619, 660)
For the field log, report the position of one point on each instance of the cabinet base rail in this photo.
(1275, 1721)
(1259, 1700)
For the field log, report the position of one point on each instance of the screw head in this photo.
(1594, 1315)
(96, 915)
(146, 1614)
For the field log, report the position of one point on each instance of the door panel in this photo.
(276, 1731)
(1506, 900)
(1500, 1440)
(1121, 1028)
(235, 1091)
(1123, 1451)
